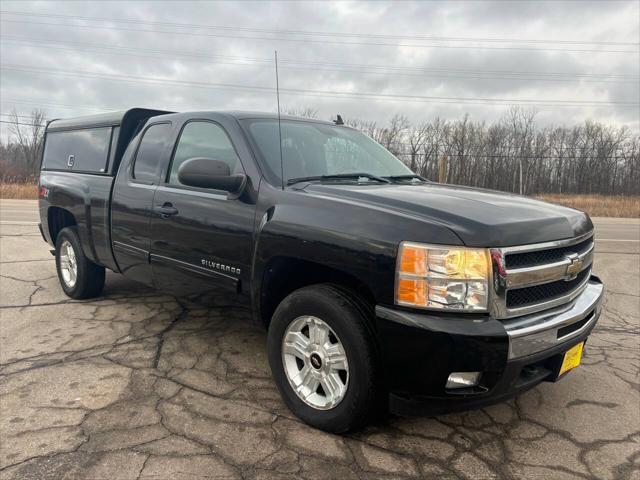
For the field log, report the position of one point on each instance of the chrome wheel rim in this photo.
(315, 362)
(68, 265)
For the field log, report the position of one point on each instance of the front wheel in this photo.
(79, 276)
(322, 356)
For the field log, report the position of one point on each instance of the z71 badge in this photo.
(219, 266)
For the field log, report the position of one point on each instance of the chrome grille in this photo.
(528, 259)
(520, 297)
(531, 278)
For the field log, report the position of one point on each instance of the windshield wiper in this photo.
(338, 176)
(411, 176)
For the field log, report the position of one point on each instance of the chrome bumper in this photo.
(537, 332)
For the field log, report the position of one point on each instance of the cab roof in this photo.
(117, 118)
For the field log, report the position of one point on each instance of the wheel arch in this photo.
(57, 219)
(283, 275)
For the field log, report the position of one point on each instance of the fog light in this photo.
(463, 379)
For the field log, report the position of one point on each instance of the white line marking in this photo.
(615, 240)
(9, 222)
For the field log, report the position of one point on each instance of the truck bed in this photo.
(79, 164)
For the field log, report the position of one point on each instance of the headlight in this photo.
(441, 277)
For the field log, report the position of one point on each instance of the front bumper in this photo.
(420, 351)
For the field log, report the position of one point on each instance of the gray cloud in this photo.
(440, 72)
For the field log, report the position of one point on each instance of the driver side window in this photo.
(203, 139)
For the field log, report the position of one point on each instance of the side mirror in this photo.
(209, 173)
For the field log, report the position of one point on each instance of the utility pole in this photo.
(442, 170)
(520, 162)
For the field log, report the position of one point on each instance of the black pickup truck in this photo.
(379, 289)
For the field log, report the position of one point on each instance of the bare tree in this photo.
(366, 126)
(392, 136)
(416, 137)
(522, 124)
(28, 134)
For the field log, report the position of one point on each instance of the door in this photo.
(202, 238)
(132, 202)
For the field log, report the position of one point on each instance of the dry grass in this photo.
(594, 205)
(19, 190)
(599, 205)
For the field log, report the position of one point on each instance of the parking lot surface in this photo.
(138, 384)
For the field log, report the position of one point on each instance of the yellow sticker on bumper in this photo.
(571, 358)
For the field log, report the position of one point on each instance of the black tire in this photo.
(342, 311)
(90, 277)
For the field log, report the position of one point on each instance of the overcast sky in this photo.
(576, 60)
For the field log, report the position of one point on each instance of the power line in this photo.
(307, 40)
(25, 124)
(451, 155)
(11, 115)
(331, 34)
(21, 120)
(523, 157)
(49, 104)
(104, 108)
(319, 93)
(322, 63)
(478, 75)
(499, 156)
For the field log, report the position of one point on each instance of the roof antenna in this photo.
(338, 120)
(279, 122)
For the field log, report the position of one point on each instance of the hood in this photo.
(482, 218)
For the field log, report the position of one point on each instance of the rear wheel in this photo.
(79, 276)
(323, 358)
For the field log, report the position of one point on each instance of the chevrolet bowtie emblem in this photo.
(574, 267)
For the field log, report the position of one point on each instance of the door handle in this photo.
(166, 210)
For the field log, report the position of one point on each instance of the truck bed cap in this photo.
(102, 119)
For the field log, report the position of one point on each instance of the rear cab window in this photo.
(150, 152)
(84, 150)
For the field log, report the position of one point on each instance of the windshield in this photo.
(316, 149)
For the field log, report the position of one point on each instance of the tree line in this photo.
(516, 155)
(512, 154)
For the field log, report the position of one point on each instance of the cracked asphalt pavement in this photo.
(139, 384)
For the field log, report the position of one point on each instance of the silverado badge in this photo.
(219, 266)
